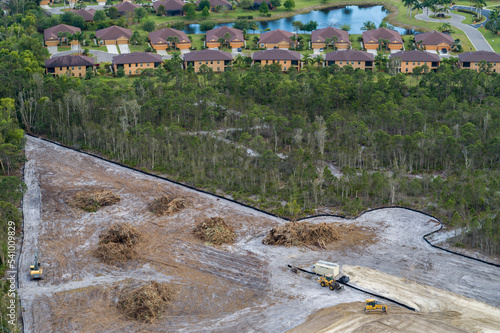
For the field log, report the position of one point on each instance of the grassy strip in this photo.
(491, 38)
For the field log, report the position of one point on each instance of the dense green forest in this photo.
(324, 140)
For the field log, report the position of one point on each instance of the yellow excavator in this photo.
(374, 306)
(328, 280)
(36, 269)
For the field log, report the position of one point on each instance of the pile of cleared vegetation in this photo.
(214, 230)
(320, 234)
(147, 302)
(116, 245)
(91, 201)
(164, 205)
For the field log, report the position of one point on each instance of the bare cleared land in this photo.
(244, 286)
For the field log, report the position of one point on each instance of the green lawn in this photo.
(493, 39)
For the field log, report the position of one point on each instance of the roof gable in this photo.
(217, 33)
(207, 55)
(163, 34)
(69, 61)
(329, 32)
(170, 5)
(276, 36)
(416, 55)
(114, 32)
(55, 30)
(276, 54)
(136, 57)
(434, 38)
(479, 56)
(126, 7)
(349, 55)
(373, 36)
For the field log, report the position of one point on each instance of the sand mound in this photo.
(214, 230)
(91, 201)
(147, 302)
(117, 244)
(320, 234)
(164, 205)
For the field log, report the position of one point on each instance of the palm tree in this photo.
(79, 37)
(318, 60)
(173, 40)
(456, 46)
(408, 4)
(368, 25)
(384, 43)
(227, 37)
(306, 58)
(416, 6)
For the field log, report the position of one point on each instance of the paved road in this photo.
(475, 36)
(484, 12)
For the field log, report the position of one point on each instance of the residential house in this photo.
(215, 3)
(134, 63)
(77, 65)
(353, 58)
(415, 58)
(337, 37)
(218, 61)
(236, 38)
(87, 14)
(172, 7)
(161, 39)
(277, 39)
(434, 41)
(285, 58)
(372, 39)
(472, 60)
(126, 7)
(114, 35)
(52, 35)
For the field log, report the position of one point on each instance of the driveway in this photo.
(161, 52)
(52, 49)
(123, 48)
(476, 38)
(112, 49)
(99, 56)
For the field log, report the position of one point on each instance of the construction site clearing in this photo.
(236, 282)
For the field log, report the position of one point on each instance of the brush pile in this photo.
(91, 201)
(214, 230)
(164, 205)
(147, 302)
(116, 245)
(320, 234)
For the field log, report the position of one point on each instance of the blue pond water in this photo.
(336, 17)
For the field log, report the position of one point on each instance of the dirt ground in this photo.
(242, 287)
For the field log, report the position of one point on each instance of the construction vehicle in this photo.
(328, 280)
(36, 269)
(374, 306)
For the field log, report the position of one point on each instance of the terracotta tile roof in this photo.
(434, 38)
(136, 58)
(349, 55)
(415, 55)
(162, 35)
(207, 55)
(114, 32)
(375, 35)
(52, 32)
(214, 3)
(276, 54)
(87, 14)
(479, 56)
(217, 33)
(170, 5)
(126, 7)
(276, 36)
(68, 61)
(322, 34)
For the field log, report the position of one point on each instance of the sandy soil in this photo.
(243, 287)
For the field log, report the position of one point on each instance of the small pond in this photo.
(334, 17)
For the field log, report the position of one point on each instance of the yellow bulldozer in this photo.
(329, 281)
(36, 269)
(374, 306)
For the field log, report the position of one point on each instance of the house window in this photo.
(341, 62)
(211, 62)
(60, 68)
(200, 62)
(419, 63)
(262, 45)
(284, 68)
(218, 69)
(414, 63)
(218, 62)
(407, 69)
(141, 64)
(79, 67)
(206, 62)
(130, 72)
(73, 67)
(359, 62)
(407, 62)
